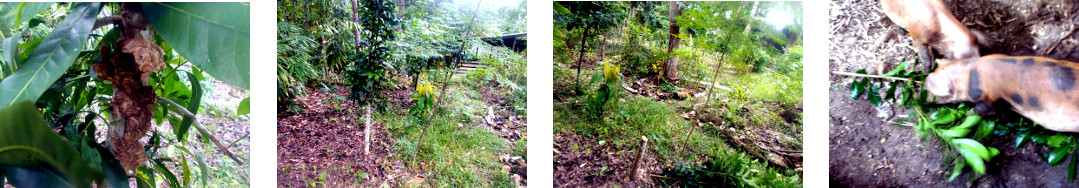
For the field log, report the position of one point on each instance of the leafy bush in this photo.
(294, 69)
(369, 67)
(606, 91)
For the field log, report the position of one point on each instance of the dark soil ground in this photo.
(323, 147)
(867, 147)
(581, 162)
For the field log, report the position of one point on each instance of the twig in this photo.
(238, 140)
(873, 76)
(198, 125)
(783, 151)
(108, 20)
(1070, 31)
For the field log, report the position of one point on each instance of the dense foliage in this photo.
(69, 82)
(428, 70)
(689, 78)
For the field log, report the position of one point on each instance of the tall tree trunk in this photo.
(356, 18)
(752, 15)
(671, 68)
(602, 46)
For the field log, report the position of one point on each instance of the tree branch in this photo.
(109, 20)
(202, 130)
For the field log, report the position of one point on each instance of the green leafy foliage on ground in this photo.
(962, 131)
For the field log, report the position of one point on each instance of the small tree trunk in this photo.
(367, 131)
(580, 54)
(671, 68)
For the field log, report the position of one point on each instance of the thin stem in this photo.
(874, 76)
(183, 111)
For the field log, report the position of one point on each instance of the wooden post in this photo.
(640, 155)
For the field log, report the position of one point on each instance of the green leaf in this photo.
(51, 58)
(1058, 154)
(203, 171)
(1022, 138)
(192, 106)
(944, 117)
(890, 94)
(966, 144)
(186, 169)
(27, 48)
(170, 178)
(32, 177)
(35, 22)
(13, 14)
(970, 121)
(11, 53)
(244, 108)
(874, 96)
(145, 177)
(957, 170)
(215, 37)
(973, 160)
(955, 132)
(28, 142)
(1071, 168)
(984, 129)
(116, 175)
(897, 69)
(858, 87)
(560, 9)
(1055, 140)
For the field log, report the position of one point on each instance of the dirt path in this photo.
(504, 122)
(868, 149)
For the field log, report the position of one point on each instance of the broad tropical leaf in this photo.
(215, 37)
(13, 14)
(28, 144)
(51, 58)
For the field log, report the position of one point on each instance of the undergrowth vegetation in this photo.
(446, 80)
(695, 84)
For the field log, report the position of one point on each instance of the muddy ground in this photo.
(867, 149)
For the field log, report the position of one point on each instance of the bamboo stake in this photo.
(640, 155)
